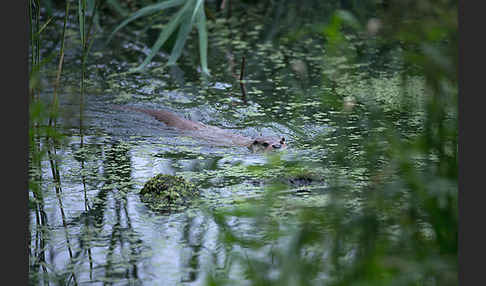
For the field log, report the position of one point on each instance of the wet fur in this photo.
(208, 132)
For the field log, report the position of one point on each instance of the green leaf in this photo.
(192, 10)
(90, 5)
(81, 10)
(164, 35)
(44, 26)
(199, 4)
(203, 40)
(184, 31)
(146, 11)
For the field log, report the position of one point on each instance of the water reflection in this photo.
(92, 227)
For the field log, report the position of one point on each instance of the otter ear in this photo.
(282, 141)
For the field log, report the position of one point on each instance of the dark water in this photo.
(92, 228)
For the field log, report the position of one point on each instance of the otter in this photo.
(212, 133)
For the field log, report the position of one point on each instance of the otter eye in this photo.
(255, 142)
(265, 144)
(282, 141)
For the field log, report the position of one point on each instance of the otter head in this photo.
(267, 144)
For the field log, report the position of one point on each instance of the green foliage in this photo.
(190, 14)
(396, 224)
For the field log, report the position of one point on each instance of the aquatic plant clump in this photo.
(167, 192)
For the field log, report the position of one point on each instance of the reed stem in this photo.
(242, 85)
(55, 103)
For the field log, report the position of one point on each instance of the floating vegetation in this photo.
(167, 192)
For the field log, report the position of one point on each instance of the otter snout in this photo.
(267, 144)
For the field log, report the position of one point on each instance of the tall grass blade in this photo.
(145, 11)
(93, 9)
(203, 39)
(90, 6)
(45, 25)
(81, 13)
(182, 36)
(52, 118)
(196, 9)
(164, 35)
